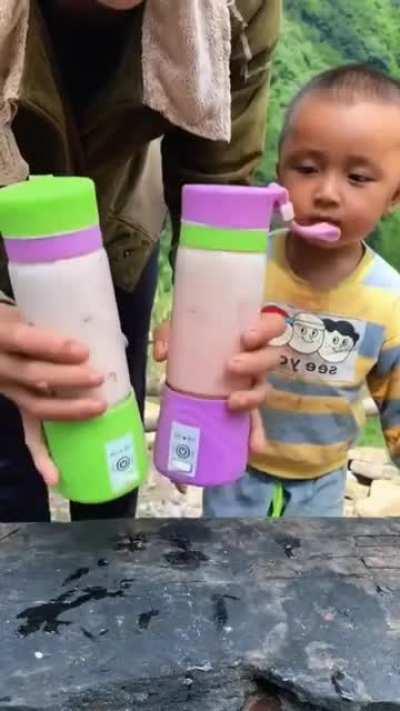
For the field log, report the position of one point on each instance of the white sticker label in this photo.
(184, 449)
(121, 463)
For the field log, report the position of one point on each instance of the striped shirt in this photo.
(336, 342)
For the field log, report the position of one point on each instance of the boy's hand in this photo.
(257, 360)
(34, 362)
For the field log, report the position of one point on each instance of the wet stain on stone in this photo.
(131, 543)
(220, 611)
(383, 589)
(88, 634)
(102, 562)
(185, 557)
(91, 635)
(79, 573)
(9, 535)
(146, 617)
(45, 617)
(289, 544)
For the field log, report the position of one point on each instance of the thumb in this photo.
(161, 338)
(36, 444)
(258, 441)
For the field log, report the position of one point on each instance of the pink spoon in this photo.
(322, 231)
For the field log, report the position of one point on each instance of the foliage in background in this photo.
(318, 34)
(372, 435)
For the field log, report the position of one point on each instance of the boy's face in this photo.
(341, 164)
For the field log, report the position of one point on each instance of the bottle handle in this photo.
(322, 231)
(283, 202)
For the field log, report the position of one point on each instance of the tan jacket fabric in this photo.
(117, 142)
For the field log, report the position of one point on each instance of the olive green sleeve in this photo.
(187, 158)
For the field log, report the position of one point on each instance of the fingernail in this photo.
(96, 378)
(75, 349)
(98, 405)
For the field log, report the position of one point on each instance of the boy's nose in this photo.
(327, 191)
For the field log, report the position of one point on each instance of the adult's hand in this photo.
(256, 360)
(34, 363)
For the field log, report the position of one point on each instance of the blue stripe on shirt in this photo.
(293, 428)
(383, 276)
(372, 341)
(388, 361)
(390, 414)
(308, 388)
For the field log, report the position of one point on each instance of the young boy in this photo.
(340, 160)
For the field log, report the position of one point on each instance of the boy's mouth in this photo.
(318, 219)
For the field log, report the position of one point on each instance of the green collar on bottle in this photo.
(45, 206)
(220, 240)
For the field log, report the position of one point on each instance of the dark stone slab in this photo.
(199, 616)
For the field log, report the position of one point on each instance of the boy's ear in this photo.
(394, 204)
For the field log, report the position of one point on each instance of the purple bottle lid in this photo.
(232, 206)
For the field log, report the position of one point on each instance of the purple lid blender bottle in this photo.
(218, 295)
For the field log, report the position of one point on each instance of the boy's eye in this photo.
(360, 178)
(305, 168)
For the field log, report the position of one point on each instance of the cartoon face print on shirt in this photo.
(340, 339)
(304, 333)
(308, 333)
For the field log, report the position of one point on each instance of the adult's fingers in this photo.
(41, 374)
(250, 399)
(160, 341)
(258, 441)
(30, 341)
(269, 326)
(43, 407)
(36, 444)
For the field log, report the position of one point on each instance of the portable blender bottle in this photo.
(218, 295)
(61, 280)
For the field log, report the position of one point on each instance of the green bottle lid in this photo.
(47, 206)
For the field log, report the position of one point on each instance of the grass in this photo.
(371, 435)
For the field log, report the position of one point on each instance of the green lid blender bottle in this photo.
(61, 280)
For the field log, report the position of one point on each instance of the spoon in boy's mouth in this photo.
(321, 231)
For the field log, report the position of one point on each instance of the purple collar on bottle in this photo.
(52, 249)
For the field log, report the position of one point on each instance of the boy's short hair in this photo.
(348, 83)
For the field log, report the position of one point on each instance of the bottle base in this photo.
(199, 441)
(101, 459)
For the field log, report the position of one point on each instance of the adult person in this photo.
(88, 88)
